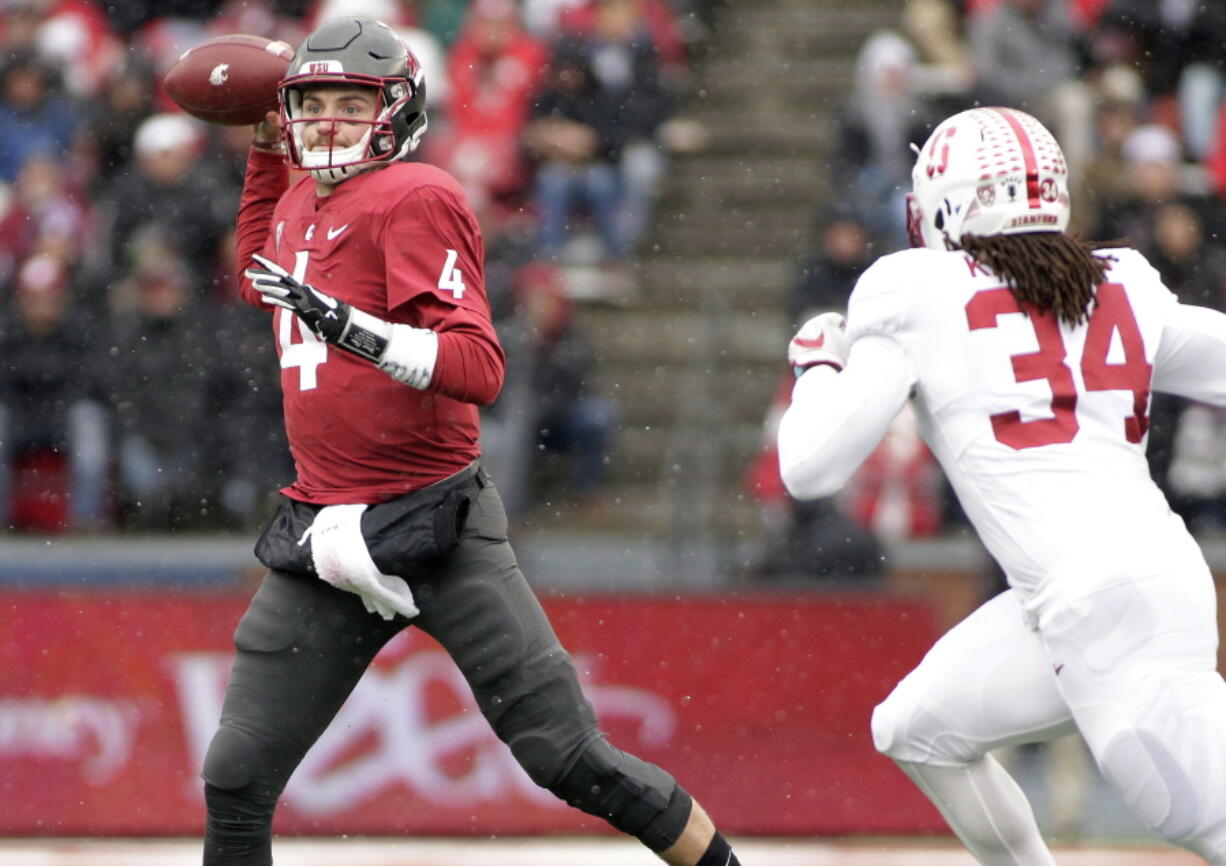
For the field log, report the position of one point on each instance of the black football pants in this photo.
(302, 646)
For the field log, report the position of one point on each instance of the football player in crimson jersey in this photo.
(1029, 357)
(371, 268)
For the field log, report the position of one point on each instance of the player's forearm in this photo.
(265, 181)
(462, 364)
(813, 437)
(837, 419)
(458, 364)
(470, 367)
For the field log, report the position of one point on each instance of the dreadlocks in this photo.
(1049, 270)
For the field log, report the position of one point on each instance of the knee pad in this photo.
(905, 732)
(886, 729)
(552, 733)
(634, 796)
(883, 732)
(543, 733)
(238, 826)
(232, 761)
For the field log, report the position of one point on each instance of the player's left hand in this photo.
(325, 315)
(821, 340)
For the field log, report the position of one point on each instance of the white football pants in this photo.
(1131, 666)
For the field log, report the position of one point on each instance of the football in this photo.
(229, 79)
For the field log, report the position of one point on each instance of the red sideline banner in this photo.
(759, 705)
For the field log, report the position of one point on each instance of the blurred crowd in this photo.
(137, 392)
(1135, 91)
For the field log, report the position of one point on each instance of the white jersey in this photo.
(1040, 426)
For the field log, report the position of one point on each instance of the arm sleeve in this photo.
(435, 279)
(1191, 356)
(837, 419)
(265, 181)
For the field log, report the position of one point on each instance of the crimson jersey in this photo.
(402, 244)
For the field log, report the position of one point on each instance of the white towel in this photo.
(343, 560)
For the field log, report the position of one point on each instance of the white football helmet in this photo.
(987, 171)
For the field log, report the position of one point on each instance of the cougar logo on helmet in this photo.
(359, 52)
(987, 171)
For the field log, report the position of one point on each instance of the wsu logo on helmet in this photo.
(324, 67)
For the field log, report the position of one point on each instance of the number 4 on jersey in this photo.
(309, 352)
(451, 280)
(1113, 315)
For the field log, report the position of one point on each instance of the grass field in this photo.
(551, 852)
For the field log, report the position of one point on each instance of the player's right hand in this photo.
(266, 134)
(821, 340)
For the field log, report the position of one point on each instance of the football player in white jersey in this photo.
(1029, 357)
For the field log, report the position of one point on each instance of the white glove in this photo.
(821, 340)
(342, 559)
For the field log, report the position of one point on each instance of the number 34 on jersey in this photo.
(1112, 316)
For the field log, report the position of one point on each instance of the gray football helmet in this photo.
(359, 52)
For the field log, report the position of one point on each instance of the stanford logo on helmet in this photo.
(1004, 173)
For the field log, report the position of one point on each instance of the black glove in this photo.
(333, 320)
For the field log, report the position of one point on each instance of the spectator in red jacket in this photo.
(495, 68)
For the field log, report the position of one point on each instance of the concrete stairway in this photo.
(696, 357)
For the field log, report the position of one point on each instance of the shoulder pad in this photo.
(881, 301)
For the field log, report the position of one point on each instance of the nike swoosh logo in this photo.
(333, 234)
(1059, 668)
(812, 344)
